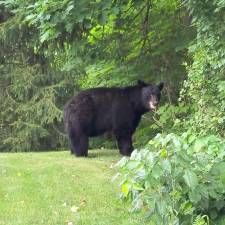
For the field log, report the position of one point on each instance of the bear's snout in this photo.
(153, 104)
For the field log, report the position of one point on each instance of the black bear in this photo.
(95, 111)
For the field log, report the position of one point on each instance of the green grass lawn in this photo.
(57, 188)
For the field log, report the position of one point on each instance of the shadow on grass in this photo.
(103, 153)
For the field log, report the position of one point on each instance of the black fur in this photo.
(95, 111)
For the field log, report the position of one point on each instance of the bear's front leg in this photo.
(125, 144)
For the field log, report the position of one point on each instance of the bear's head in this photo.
(150, 94)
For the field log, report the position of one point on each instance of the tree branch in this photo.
(145, 24)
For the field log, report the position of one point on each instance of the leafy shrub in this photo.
(177, 179)
(168, 118)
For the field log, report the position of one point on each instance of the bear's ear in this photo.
(141, 83)
(161, 85)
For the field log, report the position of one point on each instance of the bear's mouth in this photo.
(153, 106)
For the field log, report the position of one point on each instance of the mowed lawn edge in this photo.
(57, 188)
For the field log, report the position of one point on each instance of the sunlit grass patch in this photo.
(57, 188)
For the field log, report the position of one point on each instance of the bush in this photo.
(177, 179)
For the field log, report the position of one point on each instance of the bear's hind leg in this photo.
(78, 144)
(82, 148)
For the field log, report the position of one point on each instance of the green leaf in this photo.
(190, 179)
(166, 165)
(163, 153)
(69, 8)
(195, 196)
(138, 187)
(69, 27)
(157, 171)
(125, 189)
(186, 208)
(103, 17)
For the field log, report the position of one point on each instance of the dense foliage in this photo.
(51, 49)
(179, 177)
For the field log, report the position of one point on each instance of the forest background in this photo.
(50, 50)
